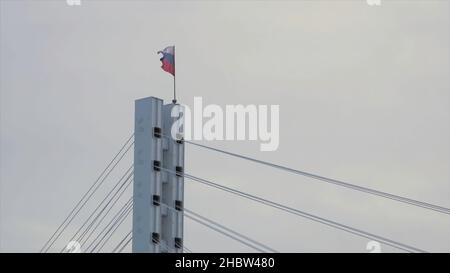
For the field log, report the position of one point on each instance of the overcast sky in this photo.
(364, 95)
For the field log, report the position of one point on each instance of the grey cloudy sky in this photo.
(364, 95)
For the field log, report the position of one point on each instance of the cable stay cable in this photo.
(116, 226)
(112, 220)
(112, 230)
(386, 195)
(114, 200)
(119, 182)
(186, 249)
(300, 213)
(48, 244)
(106, 213)
(222, 229)
(98, 223)
(126, 244)
(119, 214)
(231, 231)
(223, 233)
(119, 245)
(315, 218)
(116, 194)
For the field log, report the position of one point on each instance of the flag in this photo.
(168, 59)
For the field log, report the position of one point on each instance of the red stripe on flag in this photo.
(168, 67)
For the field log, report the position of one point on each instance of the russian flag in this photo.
(168, 59)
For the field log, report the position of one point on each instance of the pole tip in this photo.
(174, 101)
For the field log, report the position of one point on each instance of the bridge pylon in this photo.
(158, 186)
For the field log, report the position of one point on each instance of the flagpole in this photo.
(174, 79)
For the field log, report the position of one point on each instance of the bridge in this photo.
(157, 202)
